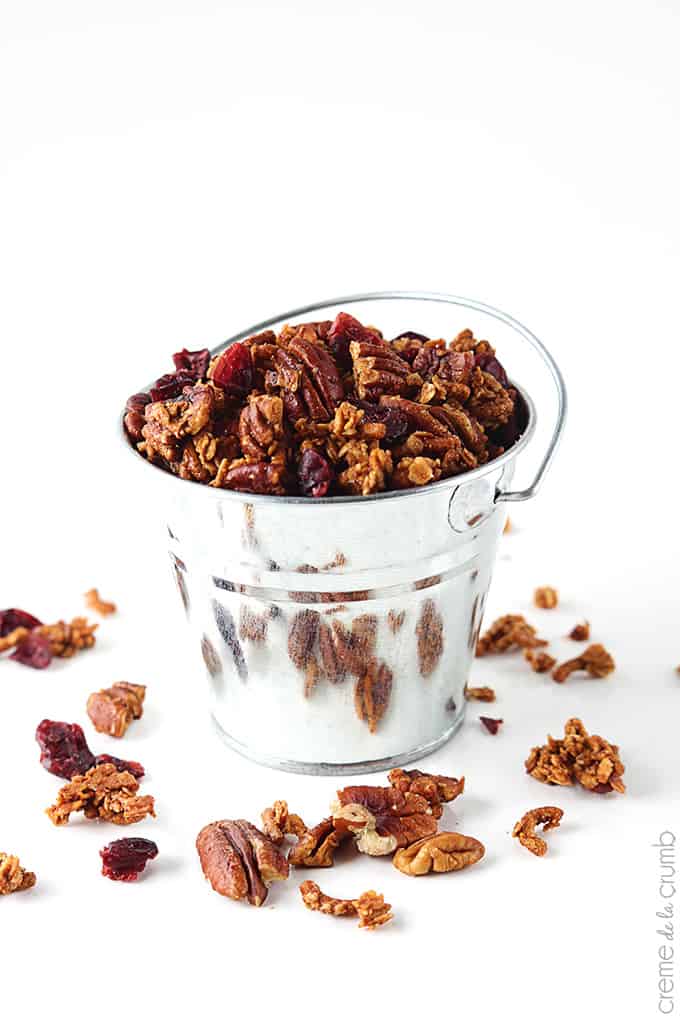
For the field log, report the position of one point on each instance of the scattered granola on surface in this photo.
(35, 644)
(546, 597)
(595, 661)
(581, 632)
(540, 662)
(94, 601)
(370, 907)
(68, 638)
(492, 725)
(480, 693)
(328, 408)
(105, 793)
(14, 878)
(113, 709)
(506, 633)
(578, 757)
(446, 851)
(525, 828)
(239, 861)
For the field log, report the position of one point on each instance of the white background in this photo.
(175, 171)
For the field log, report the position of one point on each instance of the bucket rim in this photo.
(443, 485)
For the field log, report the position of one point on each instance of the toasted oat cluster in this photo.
(328, 408)
(578, 757)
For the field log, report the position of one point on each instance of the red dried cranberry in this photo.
(234, 371)
(34, 651)
(395, 421)
(63, 749)
(492, 725)
(125, 859)
(314, 474)
(10, 619)
(137, 402)
(171, 385)
(121, 764)
(489, 363)
(195, 362)
(344, 330)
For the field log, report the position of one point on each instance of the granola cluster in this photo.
(578, 757)
(35, 644)
(14, 878)
(102, 792)
(327, 408)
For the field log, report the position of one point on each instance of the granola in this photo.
(506, 633)
(580, 632)
(525, 828)
(546, 597)
(65, 639)
(578, 757)
(370, 907)
(595, 661)
(14, 878)
(327, 408)
(105, 793)
(480, 693)
(113, 709)
(540, 662)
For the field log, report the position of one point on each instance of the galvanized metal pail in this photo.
(276, 587)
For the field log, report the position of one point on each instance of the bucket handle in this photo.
(519, 495)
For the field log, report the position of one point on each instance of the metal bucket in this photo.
(274, 586)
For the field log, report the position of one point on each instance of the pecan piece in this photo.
(540, 662)
(480, 693)
(546, 597)
(580, 632)
(382, 819)
(370, 907)
(239, 861)
(506, 633)
(93, 600)
(113, 709)
(447, 851)
(14, 878)
(595, 661)
(525, 828)
(372, 693)
(102, 792)
(262, 478)
(430, 634)
(436, 790)
(316, 846)
(277, 823)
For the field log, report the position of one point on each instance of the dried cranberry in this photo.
(121, 764)
(125, 859)
(344, 330)
(234, 371)
(171, 385)
(34, 650)
(195, 362)
(10, 619)
(489, 363)
(492, 725)
(63, 749)
(314, 474)
(395, 421)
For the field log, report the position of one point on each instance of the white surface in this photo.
(172, 172)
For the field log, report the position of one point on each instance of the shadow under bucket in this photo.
(338, 633)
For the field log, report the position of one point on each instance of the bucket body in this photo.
(337, 634)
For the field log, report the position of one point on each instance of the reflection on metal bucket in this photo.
(338, 634)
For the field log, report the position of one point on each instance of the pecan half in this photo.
(102, 792)
(382, 818)
(113, 709)
(239, 861)
(525, 828)
(372, 693)
(370, 907)
(14, 878)
(260, 428)
(447, 851)
(378, 369)
(595, 661)
(436, 790)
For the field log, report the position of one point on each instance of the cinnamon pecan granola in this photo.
(327, 408)
(14, 878)
(578, 757)
(508, 632)
(595, 661)
(370, 907)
